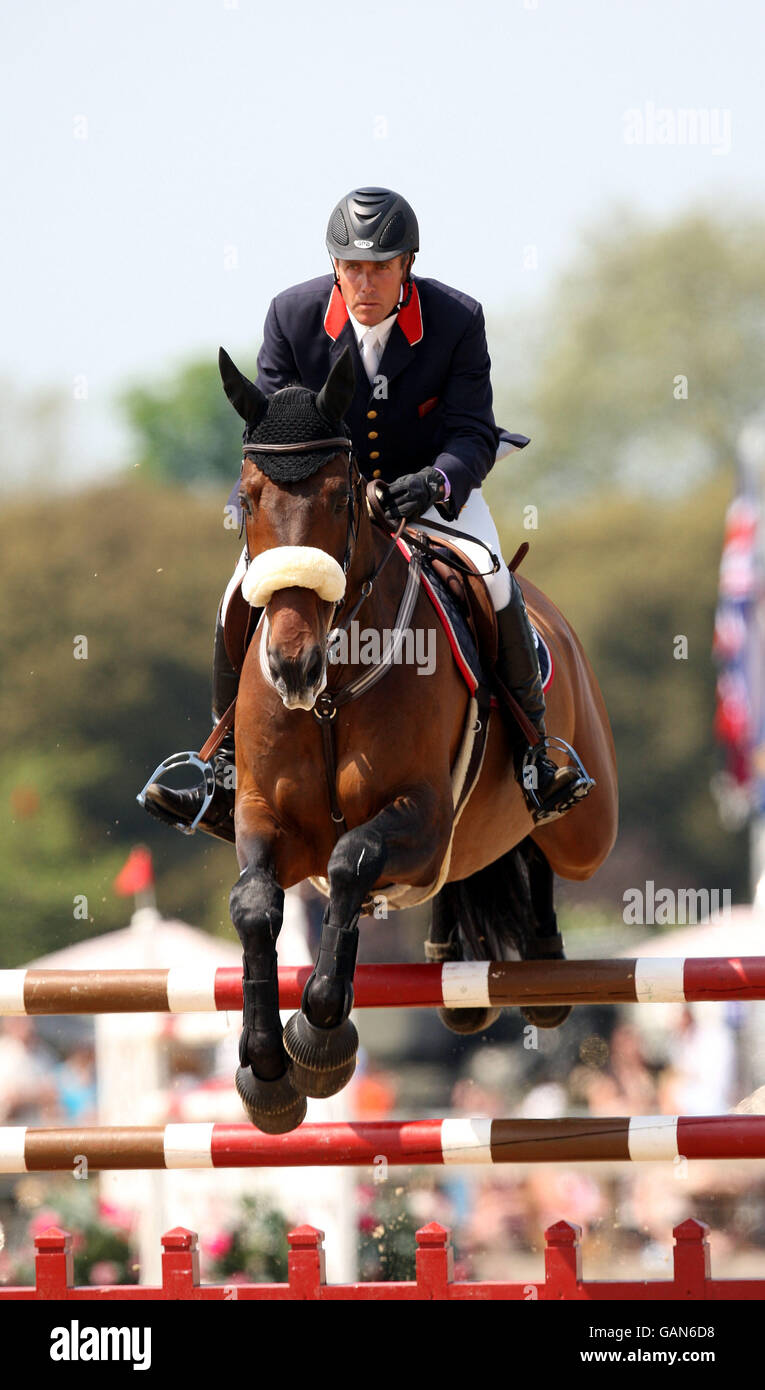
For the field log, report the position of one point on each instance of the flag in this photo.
(739, 646)
(136, 874)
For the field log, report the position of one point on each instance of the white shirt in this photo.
(372, 341)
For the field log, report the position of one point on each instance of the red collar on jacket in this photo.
(409, 318)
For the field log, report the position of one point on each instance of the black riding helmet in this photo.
(372, 224)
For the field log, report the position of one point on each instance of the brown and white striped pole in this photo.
(470, 984)
(451, 1141)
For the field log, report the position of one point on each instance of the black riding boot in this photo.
(179, 808)
(549, 790)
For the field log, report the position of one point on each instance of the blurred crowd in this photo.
(39, 1085)
(499, 1215)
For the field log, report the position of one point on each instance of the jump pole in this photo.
(473, 984)
(359, 1144)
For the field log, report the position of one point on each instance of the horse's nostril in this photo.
(313, 667)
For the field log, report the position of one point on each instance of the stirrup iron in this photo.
(185, 760)
(579, 789)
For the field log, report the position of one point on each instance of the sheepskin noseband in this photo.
(292, 566)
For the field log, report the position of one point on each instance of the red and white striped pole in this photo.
(398, 1143)
(471, 984)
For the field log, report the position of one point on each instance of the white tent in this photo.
(737, 932)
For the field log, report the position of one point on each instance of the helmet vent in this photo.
(338, 230)
(392, 233)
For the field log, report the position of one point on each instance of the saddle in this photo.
(464, 584)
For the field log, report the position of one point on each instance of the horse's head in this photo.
(301, 496)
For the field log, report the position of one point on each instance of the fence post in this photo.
(434, 1261)
(54, 1266)
(306, 1262)
(691, 1258)
(180, 1263)
(563, 1260)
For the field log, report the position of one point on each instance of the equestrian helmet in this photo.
(372, 224)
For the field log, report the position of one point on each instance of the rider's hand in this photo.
(411, 495)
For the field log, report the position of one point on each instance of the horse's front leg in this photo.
(263, 1078)
(404, 842)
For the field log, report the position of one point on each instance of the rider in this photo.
(421, 420)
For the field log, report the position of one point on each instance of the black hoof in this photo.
(274, 1107)
(323, 1060)
(544, 1017)
(468, 1020)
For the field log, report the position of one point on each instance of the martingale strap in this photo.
(329, 702)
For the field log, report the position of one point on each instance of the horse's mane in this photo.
(292, 418)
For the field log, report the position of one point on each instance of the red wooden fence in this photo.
(562, 1281)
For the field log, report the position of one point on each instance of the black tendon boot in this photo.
(180, 808)
(549, 790)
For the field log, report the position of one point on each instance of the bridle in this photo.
(328, 702)
(355, 488)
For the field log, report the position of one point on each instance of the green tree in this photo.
(642, 313)
(185, 429)
(634, 577)
(106, 669)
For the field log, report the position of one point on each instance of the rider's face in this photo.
(371, 288)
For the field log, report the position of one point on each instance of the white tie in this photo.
(369, 353)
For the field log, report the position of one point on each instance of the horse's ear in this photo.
(247, 399)
(337, 392)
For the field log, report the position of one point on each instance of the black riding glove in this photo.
(411, 495)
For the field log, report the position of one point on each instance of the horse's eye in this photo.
(244, 503)
(342, 503)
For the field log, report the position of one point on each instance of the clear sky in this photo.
(168, 165)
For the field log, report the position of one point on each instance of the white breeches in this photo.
(475, 518)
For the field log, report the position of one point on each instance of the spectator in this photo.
(26, 1073)
(76, 1082)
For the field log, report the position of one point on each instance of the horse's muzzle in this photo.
(298, 680)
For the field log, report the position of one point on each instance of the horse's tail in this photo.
(489, 915)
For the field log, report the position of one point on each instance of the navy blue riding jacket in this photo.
(430, 403)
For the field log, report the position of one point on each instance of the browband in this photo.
(308, 446)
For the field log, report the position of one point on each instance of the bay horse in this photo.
(385, 817)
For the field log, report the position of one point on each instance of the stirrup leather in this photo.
(184, 760)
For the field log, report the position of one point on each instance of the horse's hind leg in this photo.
(263, 1079)
(444, 944)
(546, 942)
(321, 1040)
